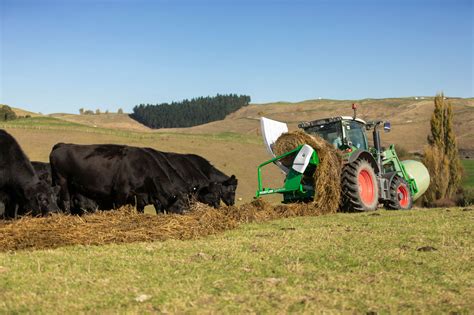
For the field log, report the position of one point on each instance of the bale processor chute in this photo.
(326, 178)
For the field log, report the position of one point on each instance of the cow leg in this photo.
(159, 208)
(120, 200)
(11, 210)
(64, 195)
(141, 202)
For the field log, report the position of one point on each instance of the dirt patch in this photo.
(126, 225)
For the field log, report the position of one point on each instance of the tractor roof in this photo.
(318, 122)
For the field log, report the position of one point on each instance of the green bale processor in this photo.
(370, 175)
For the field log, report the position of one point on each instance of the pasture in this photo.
(469, 173)
(387, 261)
(417, 261)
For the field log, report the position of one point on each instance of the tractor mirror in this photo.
(387, 126)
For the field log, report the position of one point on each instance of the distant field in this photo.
(418, 261)
(469, 169)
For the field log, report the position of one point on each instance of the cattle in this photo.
(43, 170)
(19, 181)
(226, 184)
(116, 175)
(203, 189)
(79, 203)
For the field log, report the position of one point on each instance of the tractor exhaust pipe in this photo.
(377, 146)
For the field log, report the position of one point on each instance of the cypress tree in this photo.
(441, 156)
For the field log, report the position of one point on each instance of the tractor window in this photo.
(331, 132)
(355, 133)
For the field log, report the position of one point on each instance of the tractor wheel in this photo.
(360, 191)
(400, 196)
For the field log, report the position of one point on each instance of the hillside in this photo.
(114, 121)
(409, 117)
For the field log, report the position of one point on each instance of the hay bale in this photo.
(327, 178)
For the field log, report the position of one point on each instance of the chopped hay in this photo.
(327, 177)
(125, 225)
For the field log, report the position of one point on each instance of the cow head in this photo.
(210, 195)
(178, 203)
(228, 189)
(41, 199)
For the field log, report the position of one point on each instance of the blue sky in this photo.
(59, 56)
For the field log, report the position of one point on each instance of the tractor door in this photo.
(355, 135)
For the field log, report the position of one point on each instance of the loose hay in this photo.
(126, 225)
(327, 178)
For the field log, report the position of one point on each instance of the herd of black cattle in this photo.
(85, 178)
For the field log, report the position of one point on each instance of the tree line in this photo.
(188, 113)
(83, 111)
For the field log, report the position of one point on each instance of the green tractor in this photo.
(370, 176)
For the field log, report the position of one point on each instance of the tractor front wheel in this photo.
(400, 196)
(360, 191)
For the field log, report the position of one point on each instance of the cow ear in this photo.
(231, 181)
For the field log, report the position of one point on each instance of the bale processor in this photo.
(366, 175)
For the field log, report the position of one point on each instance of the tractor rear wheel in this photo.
(400, 196)
(360, 191)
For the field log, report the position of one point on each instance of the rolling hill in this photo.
(409, 117)
(234, 144)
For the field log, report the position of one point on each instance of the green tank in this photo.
(417, 171)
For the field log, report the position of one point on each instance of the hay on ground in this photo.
(125, 225)
(327, 178)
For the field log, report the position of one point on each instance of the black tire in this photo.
(360, 191)
(400, 195)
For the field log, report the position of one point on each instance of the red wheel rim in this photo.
(366, 186)
(402, 193)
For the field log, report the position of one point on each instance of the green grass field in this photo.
(418, 261)
(469, 173)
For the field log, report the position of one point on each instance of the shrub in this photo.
(6, 113)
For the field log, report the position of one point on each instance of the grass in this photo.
(50, 123)
(469, 169)
(335, 263)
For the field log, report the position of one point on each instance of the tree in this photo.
(120, 111)
(187, 113)
(106, 111)
(441, 156)
(6, 113)
(81, 111)
(97, 111)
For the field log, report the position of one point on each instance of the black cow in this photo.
(79, 203)
(116, 175)
(227, 185)
(5, 201)
(43, 170)
(203, 190)
(20, 182)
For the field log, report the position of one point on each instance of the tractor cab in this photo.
(342, 132)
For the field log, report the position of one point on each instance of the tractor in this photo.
(371, 175)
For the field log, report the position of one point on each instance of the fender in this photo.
(363, 154)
